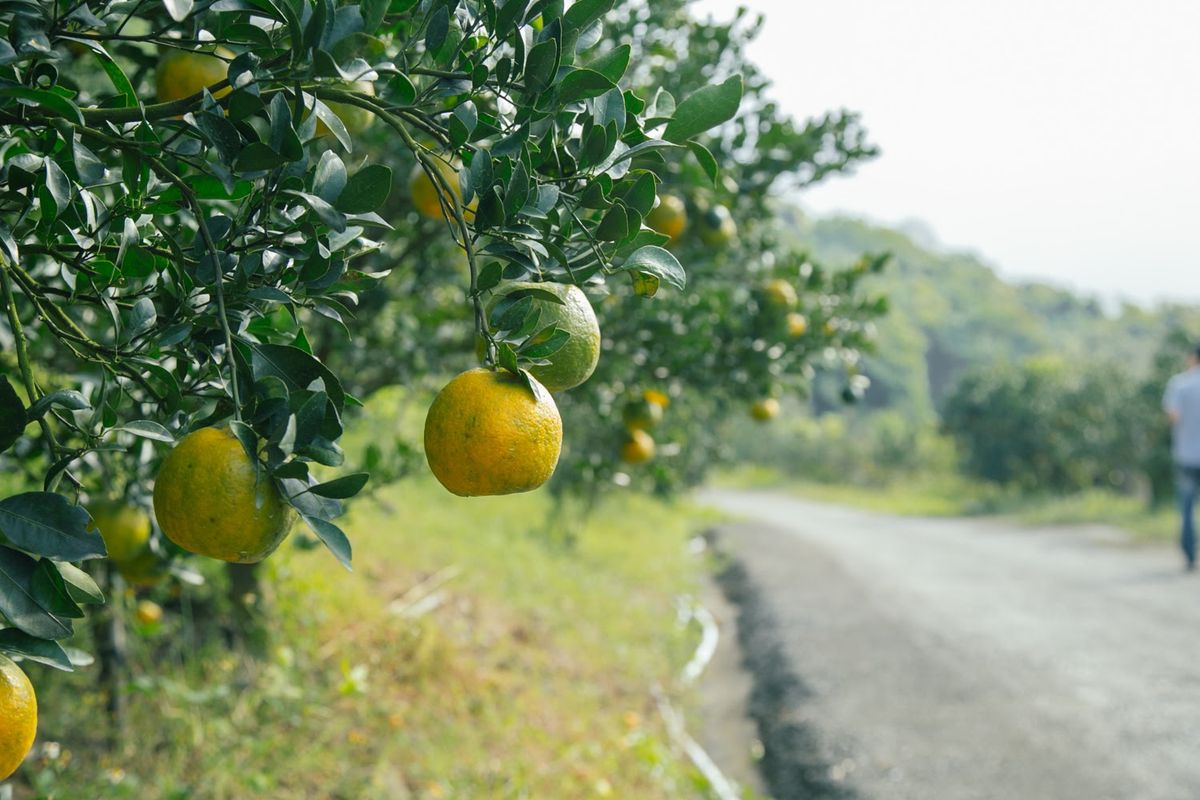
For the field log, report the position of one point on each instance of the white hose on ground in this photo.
(722, 787)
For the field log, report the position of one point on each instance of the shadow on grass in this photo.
(793, 765)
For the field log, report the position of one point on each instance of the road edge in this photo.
(793, 765)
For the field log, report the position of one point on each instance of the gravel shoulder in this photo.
(960, 659)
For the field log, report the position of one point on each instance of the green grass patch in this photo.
(466, 656)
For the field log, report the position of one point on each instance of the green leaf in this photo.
(59, 105)
(342, 488)
(79, 584)
(148, 430)
(259, 157)
(324, 211)
(658, 262)
(489, 278)
(297, 369)
(705, 109)
(50, 592)
(17, 603)
(581, 15)
(119, 80)
(545, 343)
(706, 160)
(366, 190)
(45, 523)
(582, 84)
(612, 64)
(438, 28)
(12, 415)
(18, 643)
(333, 538)
(541, 66)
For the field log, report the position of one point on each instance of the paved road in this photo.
(966, 659)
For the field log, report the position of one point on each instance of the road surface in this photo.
(962, 659)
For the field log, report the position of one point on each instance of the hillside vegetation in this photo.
(950, 314)
(985, 395)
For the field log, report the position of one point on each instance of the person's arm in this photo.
(1171, 403)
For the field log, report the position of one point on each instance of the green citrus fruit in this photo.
(355, 118)
(18, 717)
(213, 500)
(717, 227)
(144, 570)
(765, 409)
(488, 433)
(575, 361)
(125, 528)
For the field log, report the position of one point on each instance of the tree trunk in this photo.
(108, 628)
(248, 631)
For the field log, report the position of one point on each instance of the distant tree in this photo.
(1044, 426)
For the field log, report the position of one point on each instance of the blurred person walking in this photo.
(1182, 404)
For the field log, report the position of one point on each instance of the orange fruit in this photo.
(124, 527)
(148, 612)
(18, 715)
(669, 217)
(183, 73)
(765, 409)
(717, 228)
(638, 448)
(427, 198)
(797, 324)
(575, 361)
(488, 432)
(214, 500)
(355, 118)
(780, 293)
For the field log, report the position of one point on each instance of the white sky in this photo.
(1060, 139)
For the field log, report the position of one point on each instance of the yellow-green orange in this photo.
(797, 324)
(765, 409)
(426, 197)
(638, 448)
(575, 361)
(656, 397)
(212, 499)
(355, 118)
(183, 73)
(780, 293)
(149, 612)
(669, 217)
(125, 528)
(717, 227)
(145, 569)
(18, 717)
(488, 433)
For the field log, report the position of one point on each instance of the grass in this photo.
(465, 657)
(933, 495)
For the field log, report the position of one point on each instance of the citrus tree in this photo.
(185, 194)
(755, 322)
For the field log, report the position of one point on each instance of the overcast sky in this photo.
(1060, 139)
